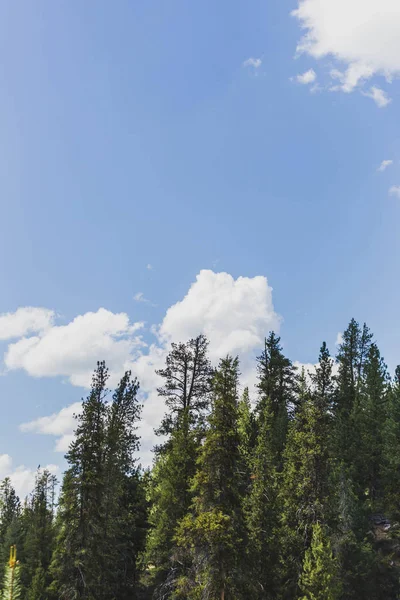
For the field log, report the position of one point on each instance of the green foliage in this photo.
(101, 519)
(12, 584)
(319, 580)
(214, 533)
(186, 392)
(261, 511)
(297, 499)
(276, 386)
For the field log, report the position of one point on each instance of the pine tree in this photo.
(319, 577)
(10, 511)
(351, 358)
(276, 385)
(187, 377)
(39, 536)
(261, 512)
(391, 449)
(305, 486)
(370, 416)
(214, 533)
(124, 525)
(246, 430)
(102, 509)
(77, 563)
(186, 391)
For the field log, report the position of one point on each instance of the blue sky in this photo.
(133, 134)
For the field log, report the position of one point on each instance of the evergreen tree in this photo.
(39, 536)
(187, 377)
(77, 564)
(10, 511)
(370, 416)
(319, 580)
(391, 449)
(305, 486)
(351, 358)
(261, 512)
(101, 517)
(276, 385)
(124, 518)
(214, 533)
(246, 430)
(186, 391)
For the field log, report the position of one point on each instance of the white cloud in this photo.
(362, 35)
(149, 267)
(380, 97)
(253, 62)
(384, 165)
(24, 321)
(235, 314)
(22, 478)
(308, 77)
(61, 424)
(395, 191)
(72, 350)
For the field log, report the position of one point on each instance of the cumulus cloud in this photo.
(61, 425)
(24, 321)
(22, 478)
(384, 165)
(253, 62)
(72, 350)
(235, 314)
(395, 191)
(308, 77)
(361, 35)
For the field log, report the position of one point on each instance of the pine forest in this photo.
(288, 491)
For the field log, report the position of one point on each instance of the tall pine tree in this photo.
(214, 533)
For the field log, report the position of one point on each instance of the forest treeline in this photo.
(295, 496)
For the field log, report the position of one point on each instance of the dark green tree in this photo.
(276, 386)
(214, 532)
(370, 417)
(186, 391)
(261, 511)
(391, 449)
(10, 512)
(38, 519)
(305, 483)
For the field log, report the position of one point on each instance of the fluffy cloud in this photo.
(25, 321)
(235, 314)
(72, 350)
(61, 425)
(362, 35)
(384, 165)
(22, 478)
(308, 77)
(253, 62)
(395, 191)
